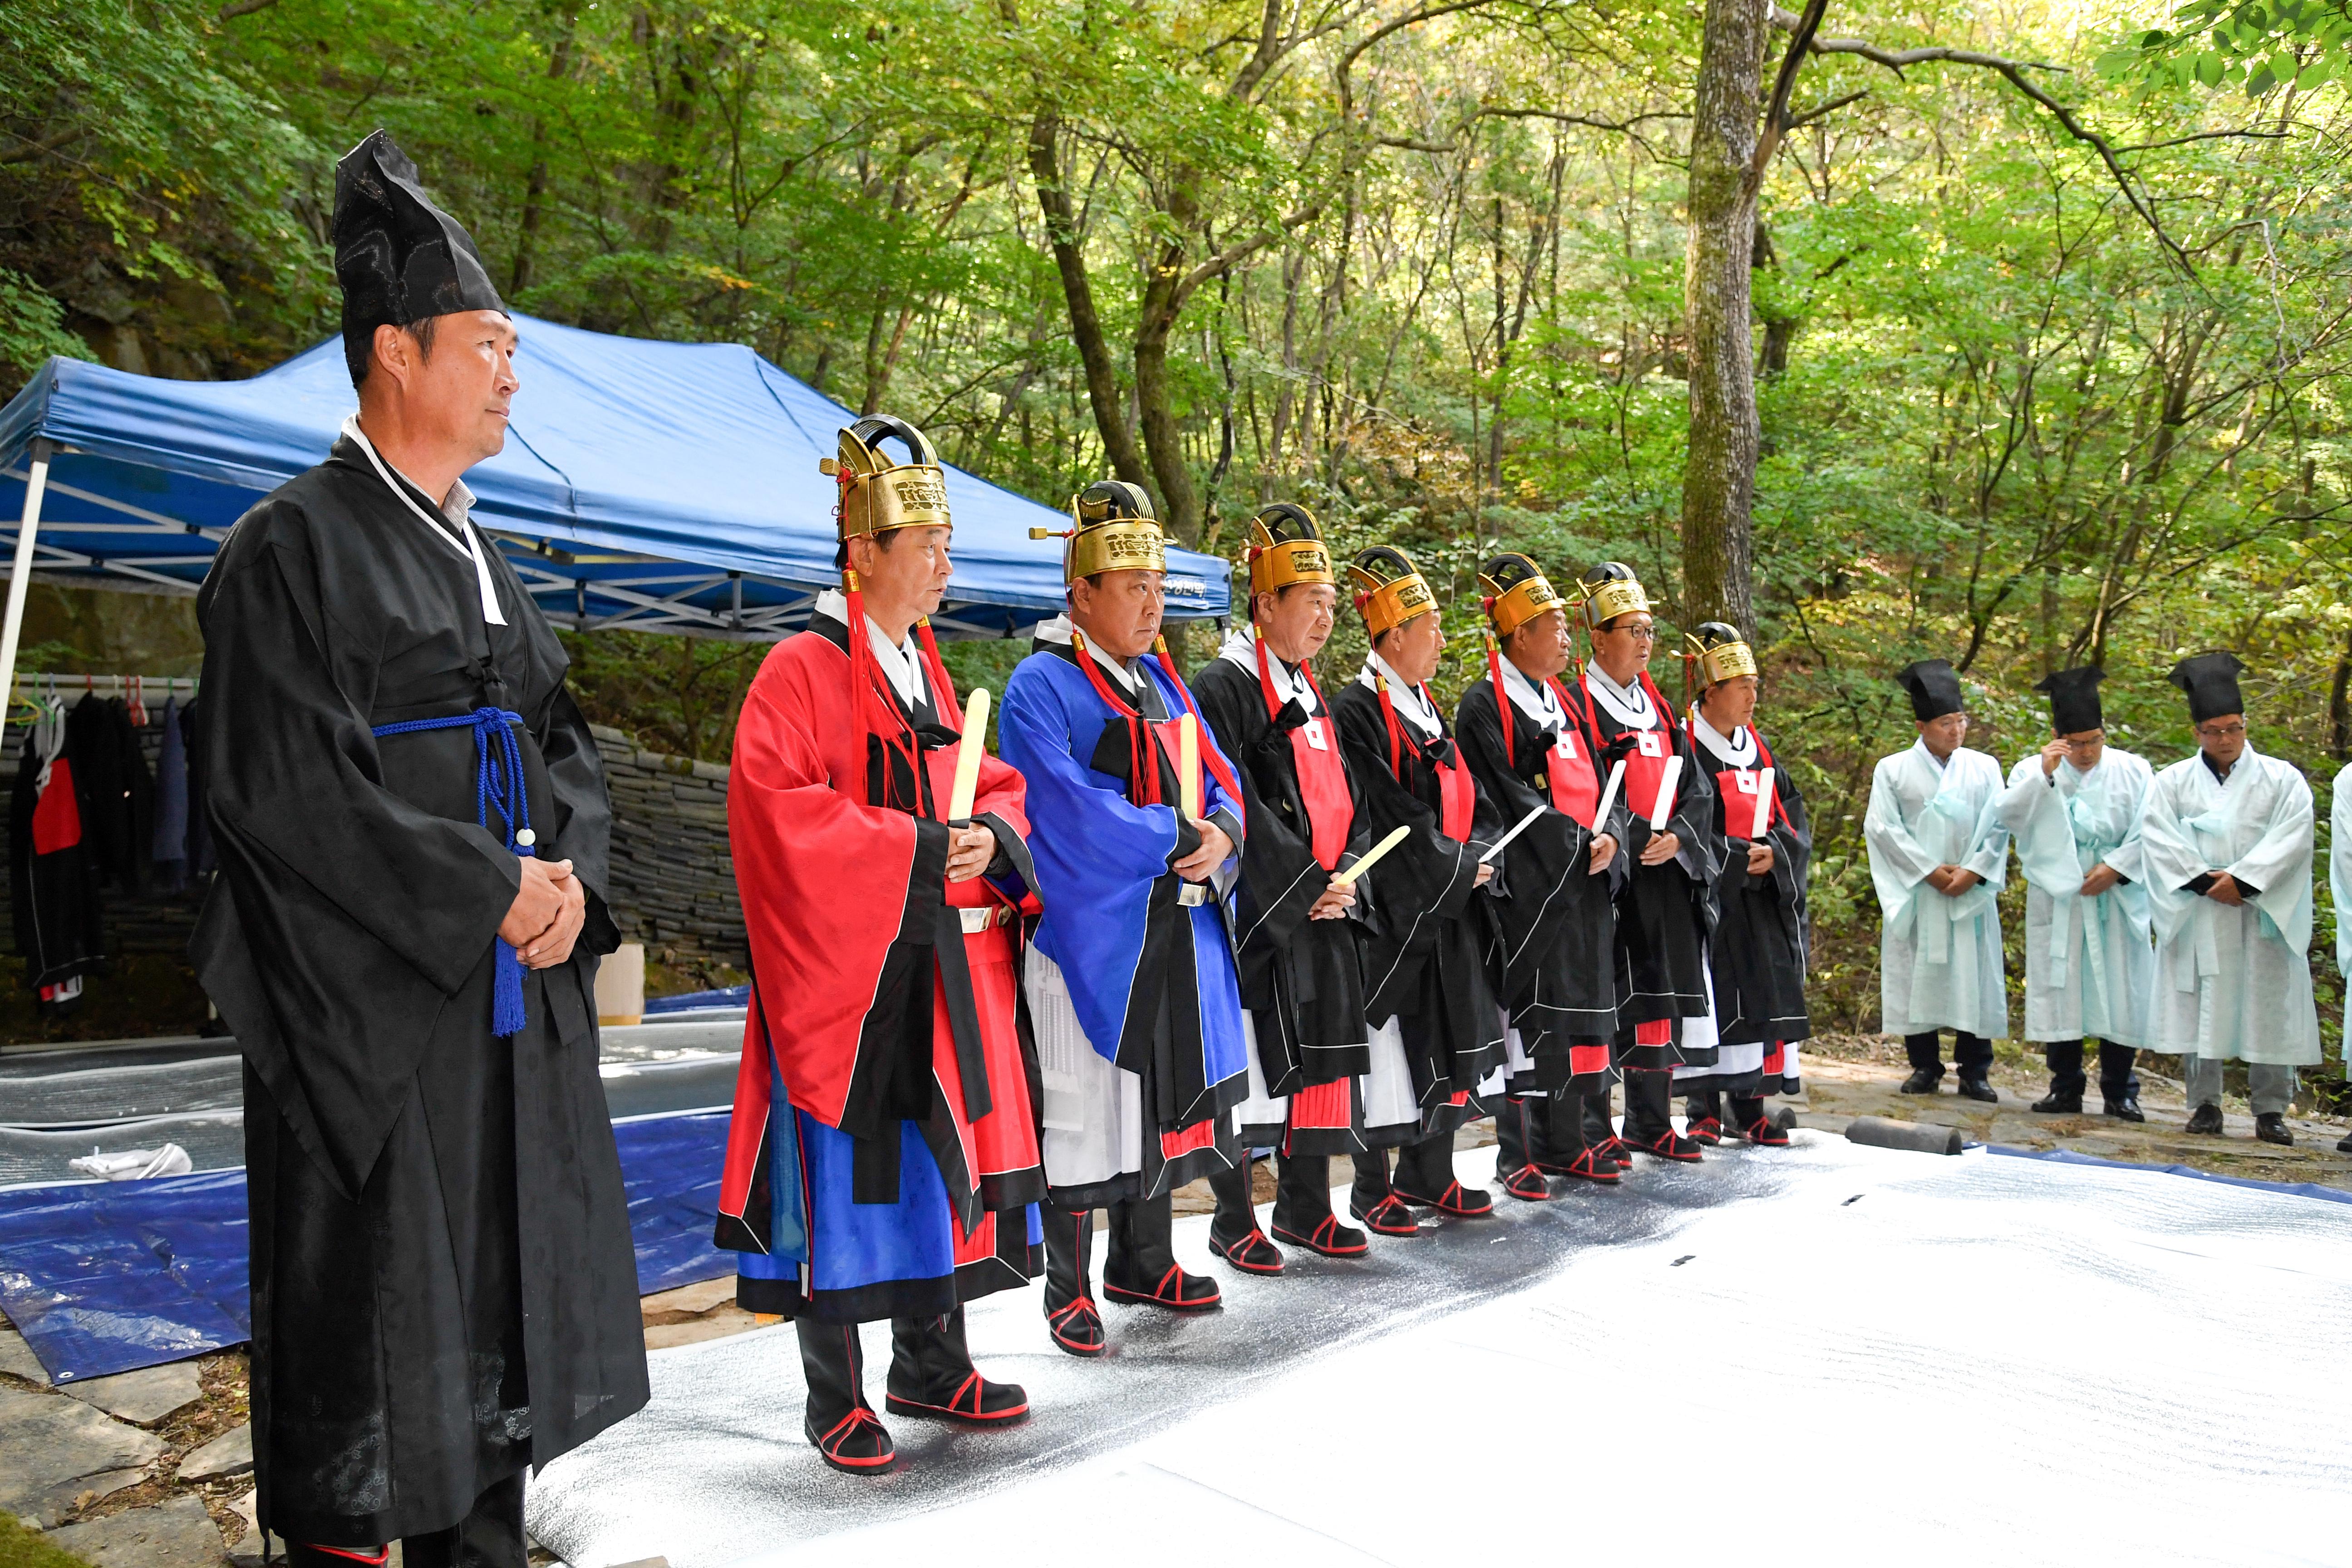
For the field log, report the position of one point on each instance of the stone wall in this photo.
(673, 881)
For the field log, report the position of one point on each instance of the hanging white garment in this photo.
(2232, 983)
(1939, 962)
(2090, 970)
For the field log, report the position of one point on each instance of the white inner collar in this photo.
(455, 527)
(1411, 705)
(899, 663)
(1241, 648)
(1737, 749)
(1536, 701)
(1630, 705)
(1060, 630)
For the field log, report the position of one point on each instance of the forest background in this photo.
(2044, 307)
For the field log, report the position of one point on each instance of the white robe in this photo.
(2089, 969)
(1939, 962)
(2339, 869)
(2232, 983)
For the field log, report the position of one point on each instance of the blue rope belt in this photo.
(497, 785)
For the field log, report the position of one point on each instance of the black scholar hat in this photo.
(399, 258)
(2212, 681)
(1934, 686)
(2073, 699)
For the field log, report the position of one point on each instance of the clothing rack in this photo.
(150, 691)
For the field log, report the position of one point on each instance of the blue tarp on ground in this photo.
(637, 477)
(689, 1001)
(108, 1276)
(2069, 1157)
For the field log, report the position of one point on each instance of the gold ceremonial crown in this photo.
(1286, 547)
(1114, 531)
(878, 495)
(1608, 590)
(1720, 652)
(1516, 592)
(1389, 590)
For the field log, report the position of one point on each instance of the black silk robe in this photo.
(1302, 979)
(1757, 956)
(1425, 964)
(444, 1287)
(1556, 926)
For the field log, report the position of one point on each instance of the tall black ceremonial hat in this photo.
(2073, 699)
(1390, 589)
(1934, 686)
(399, 258)
(2212, 681)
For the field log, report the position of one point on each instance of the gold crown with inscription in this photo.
(1114, 530)
(1286, 547)
(1718, 653)
(1608, 590)
(1516, 591)
(878, 495)
(1390, 589)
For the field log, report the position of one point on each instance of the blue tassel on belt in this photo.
(497, 785)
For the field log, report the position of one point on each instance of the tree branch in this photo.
(2014, 71)
(236, 8)
(1831, 107)
(1784, 87)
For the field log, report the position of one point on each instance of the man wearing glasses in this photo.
(2073, 810)
(2227, 838)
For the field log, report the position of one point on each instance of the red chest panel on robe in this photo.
(1575, 789)
(1738, 786)
(1457, 795)
(1323, 787)
(1646, 769)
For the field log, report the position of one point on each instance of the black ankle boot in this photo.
(1302, 1208)
(1649, 1125)
(931, 1375)
(1703, 1116)
(1233, 1234)
(840, 1425)
(1142, 1270)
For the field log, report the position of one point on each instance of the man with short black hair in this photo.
(2228, 840)
(1939, 855)
(413, 833)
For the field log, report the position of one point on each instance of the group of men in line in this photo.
(2165, 910)
(994, 995)
(1176, 923)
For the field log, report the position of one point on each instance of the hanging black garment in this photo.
(1302, 979)
(1664, 911)
(1757, 955)
(200, 862)
(120, 793)
(53, 894)
(1553, 955)
(443, 1285)
(1425, 964)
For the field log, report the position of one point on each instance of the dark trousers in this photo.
(1423, 1172)
(1302, 1197)
(1971, 1054)
(2116, 1079)
(929, 1362)
(488, 1537)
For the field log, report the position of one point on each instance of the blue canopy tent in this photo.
(646, 486)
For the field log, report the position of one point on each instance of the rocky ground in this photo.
(153, 1470)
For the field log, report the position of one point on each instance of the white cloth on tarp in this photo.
(1939, 963)
(2090, 970)
(2232, 983)
(135, 1164)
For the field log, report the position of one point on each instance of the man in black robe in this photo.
(1756, 958)
(1530, 744)
(1667, 907)
(1297, 942)
(1432, 1000)
(412, 829)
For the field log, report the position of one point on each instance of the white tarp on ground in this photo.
(1827, 1354)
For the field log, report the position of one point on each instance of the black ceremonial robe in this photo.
(1302, 979)
(1555, 942)
(1757, 956)
(1425, 963)
(1664, 912)
(444, 1288)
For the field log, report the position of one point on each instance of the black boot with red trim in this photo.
(1649, 1123)
(1424, 1178)
(1600, 1132)
(1302, 1208)
(305, 1554)
(1754, 1119)
(1142, 1270)
(1373, 1203)
(840, 1425)
(1703, 1116)
(1518, 1136)
(1071, 1316)
(931, 1375)
(1233, 1234)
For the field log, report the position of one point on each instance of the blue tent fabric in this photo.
(688, 1001)
(108, 1276)
(2069, 1157)
(663, 486)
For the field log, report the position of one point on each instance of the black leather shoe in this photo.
(2062, 1103)
(1980, 1089)
(2270, 1126)
(1922, 1080)
(2205, 1119)
(2344, 1145)
(2125, 1110)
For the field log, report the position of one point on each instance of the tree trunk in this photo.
(1163, 437)
(1086, 324)
(534, 195)
(1719, 472)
